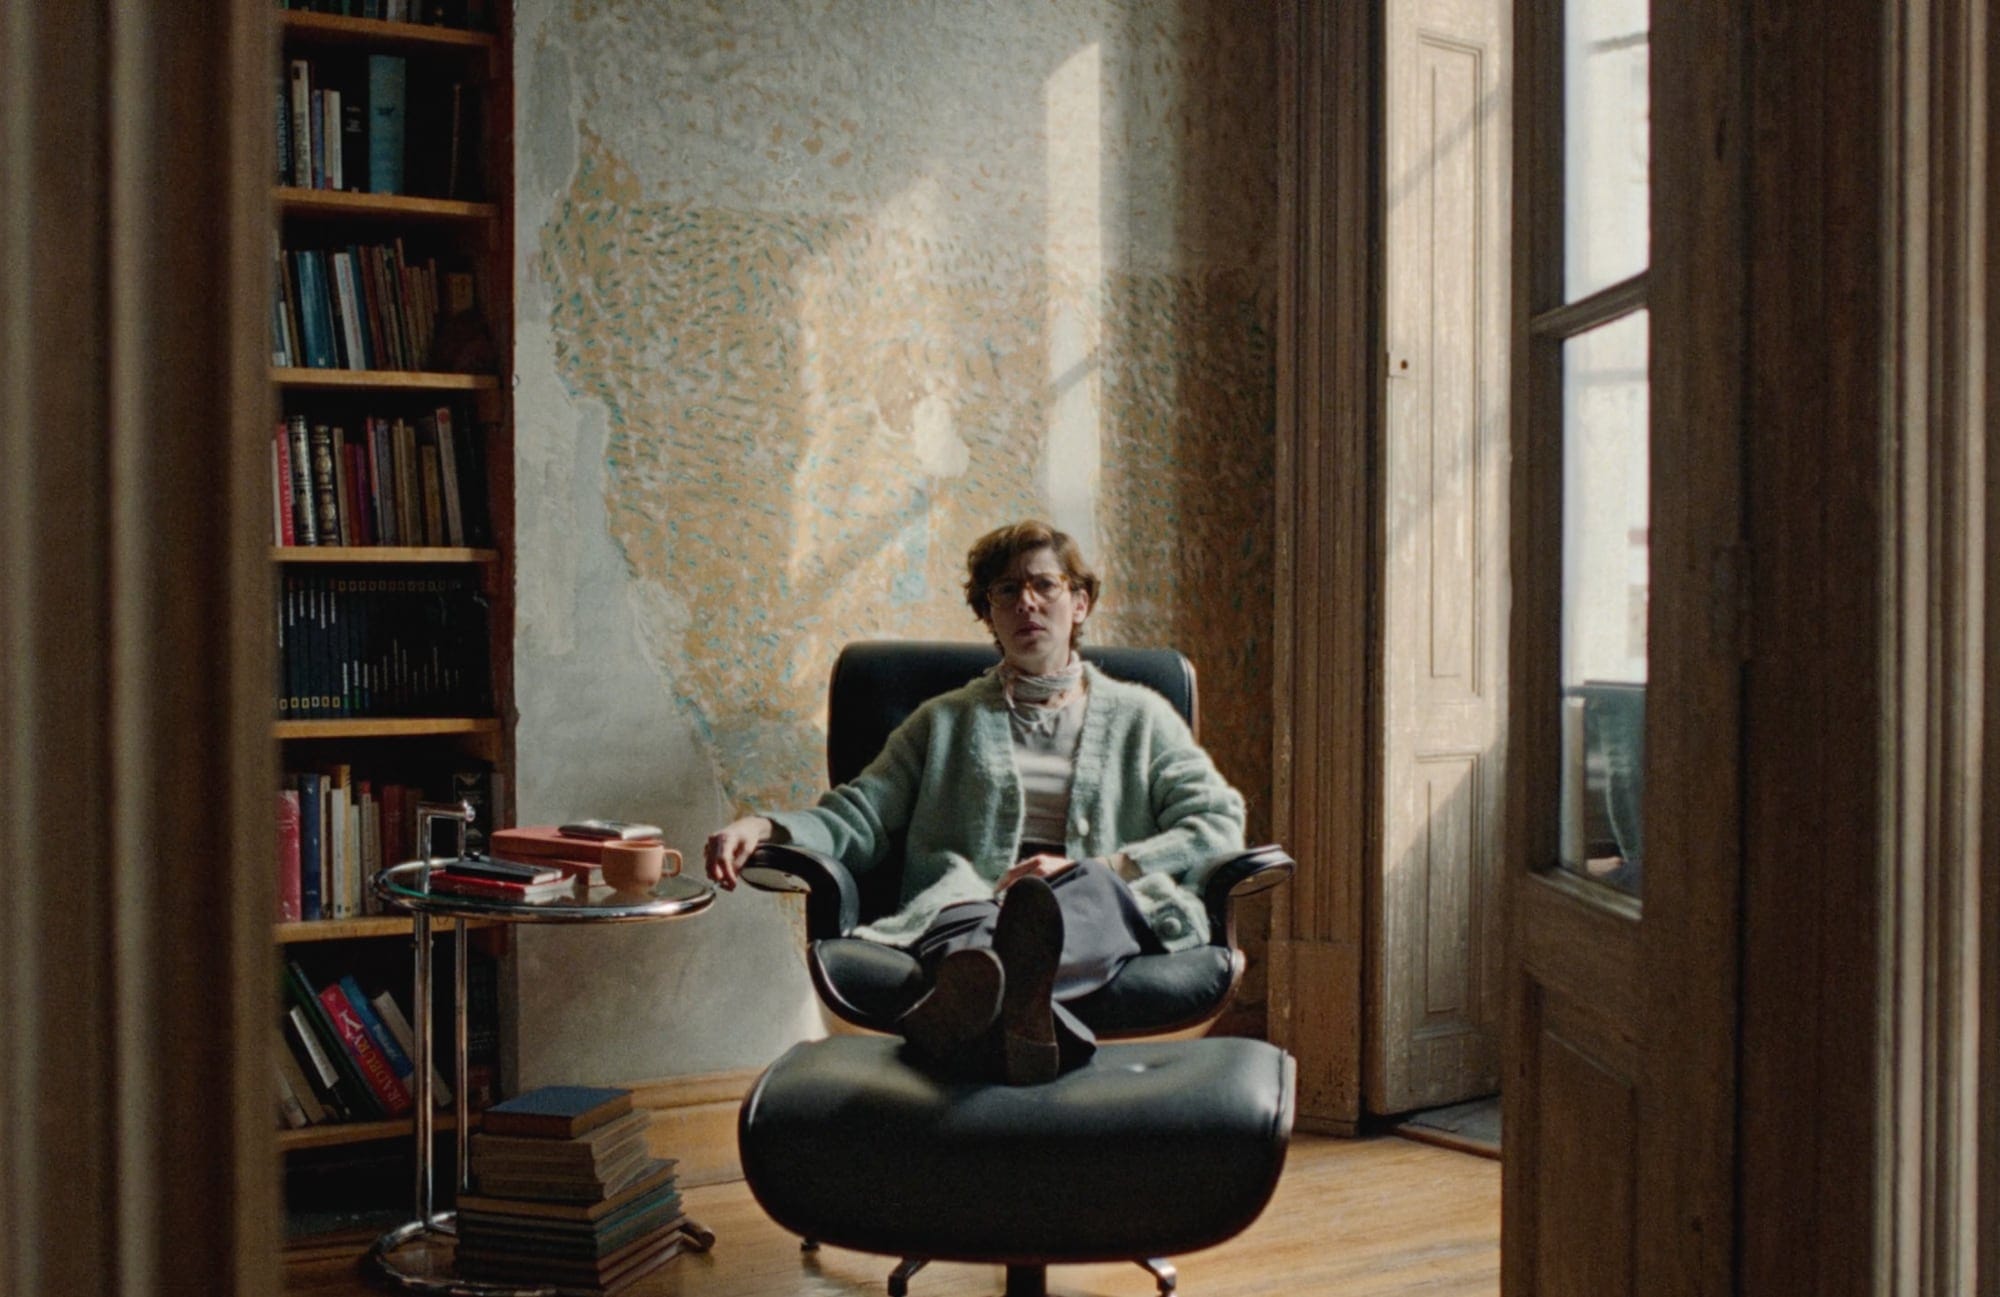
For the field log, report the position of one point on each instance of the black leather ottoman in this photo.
(1150, 1150)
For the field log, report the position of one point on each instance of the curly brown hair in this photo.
(992, 554)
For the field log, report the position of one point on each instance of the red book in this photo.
(283, 485)
(388, 1088)
(498, 889)
(288, 855)
(539, 841)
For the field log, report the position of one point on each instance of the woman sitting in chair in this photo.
(1050, 811)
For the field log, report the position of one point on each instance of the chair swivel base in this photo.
(1147, 1151)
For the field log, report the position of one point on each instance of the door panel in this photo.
(1433, 1018)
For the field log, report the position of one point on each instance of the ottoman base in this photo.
(1148, 1151)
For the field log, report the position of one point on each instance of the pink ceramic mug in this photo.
(637, 866)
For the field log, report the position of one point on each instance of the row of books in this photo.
(567, 1193)
(349, 1055)
(473, 15)
(382, 645)
(337, 827)
(380, 480)
(371, 306)
(364, 124)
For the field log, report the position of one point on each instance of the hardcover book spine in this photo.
(289, 900)
(378, 1031)
(311, 900)
(392, 1017)
(383, 1083)
(302, 1088)
(301, 88)
(330, 142)
(307, 1047)
(387, 89)
(454, 517)
(315, 319)
(355, 1087)
(326, 486)
(281, 439)
(305, 528)
(354, 135)
(284, 98)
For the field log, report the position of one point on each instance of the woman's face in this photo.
(1034, 612)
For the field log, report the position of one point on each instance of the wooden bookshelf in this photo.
(382, 269)
(385, 727)
(375, 925)
(334, 1134)
(380, 554)
(377, 380)
(333, 204)
(299, 29)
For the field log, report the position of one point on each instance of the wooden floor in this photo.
(1352, 1217)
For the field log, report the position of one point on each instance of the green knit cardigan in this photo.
(947, 779)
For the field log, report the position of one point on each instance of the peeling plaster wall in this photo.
(810, 295)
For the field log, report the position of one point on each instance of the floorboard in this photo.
(1357, 1217)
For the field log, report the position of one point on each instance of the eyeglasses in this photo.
(1046, 589)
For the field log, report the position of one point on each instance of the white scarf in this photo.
(1036, 700)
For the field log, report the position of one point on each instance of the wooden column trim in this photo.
(1326, 695)
(1938, 520)
(134, 234)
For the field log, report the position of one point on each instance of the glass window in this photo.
(1607, 151)
(1606, 575)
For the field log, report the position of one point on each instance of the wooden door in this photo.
(1625, 730)
(1435, 995)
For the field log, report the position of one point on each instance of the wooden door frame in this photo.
(1792, 328)
(138, 1153)
(1326, 697)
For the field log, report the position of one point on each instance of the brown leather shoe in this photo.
(1028, 938)
(948, 1029)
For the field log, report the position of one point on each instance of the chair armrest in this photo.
(833, 902)
(1242, 875)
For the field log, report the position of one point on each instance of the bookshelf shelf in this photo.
(375, 380)
(380, 554)
(337, 1133)
(304, 28)
(375, 925)
(394, 727)
(347, 205)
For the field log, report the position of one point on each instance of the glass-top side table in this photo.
(407, 886)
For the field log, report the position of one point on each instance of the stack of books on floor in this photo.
(567, 1193)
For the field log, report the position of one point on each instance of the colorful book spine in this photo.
(387, 1088)
(357, 1096)
(378, 1031)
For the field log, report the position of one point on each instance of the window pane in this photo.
(1606, 143)
(1606, 575)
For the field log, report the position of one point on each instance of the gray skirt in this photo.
(1102, 928)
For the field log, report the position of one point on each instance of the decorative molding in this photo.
(1936, 538)
(1325, 693)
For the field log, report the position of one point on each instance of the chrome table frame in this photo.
(406, 886)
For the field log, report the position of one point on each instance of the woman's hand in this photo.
(1046, 865)
(729, 847)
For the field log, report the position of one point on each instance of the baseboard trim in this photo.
(694, 1120)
